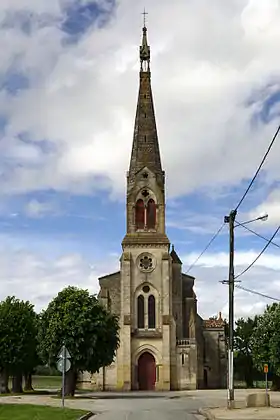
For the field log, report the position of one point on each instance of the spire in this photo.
(145, 148)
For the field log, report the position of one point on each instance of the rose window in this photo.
(146, 262)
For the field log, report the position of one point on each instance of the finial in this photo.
(144, 48)
(144, 18)
(220, 316)
(172, 247)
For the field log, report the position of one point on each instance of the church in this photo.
(164, 343)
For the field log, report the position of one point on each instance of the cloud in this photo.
(67, 104)
(81, 96)
(38, 278)
(241, 259)
(212, 295)
(35, 208)
(271, 206)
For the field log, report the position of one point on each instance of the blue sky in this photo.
(68, 91)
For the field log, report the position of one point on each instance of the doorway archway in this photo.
(146, 372)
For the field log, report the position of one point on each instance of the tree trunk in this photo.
(249, 373)
(249, 380)
(70, 382)
(28, 382)
(275, 383)
(17, 384)
(4, 382)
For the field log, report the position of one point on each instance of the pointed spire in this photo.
(145, 148)
(144, 48)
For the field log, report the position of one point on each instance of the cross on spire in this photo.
(144, 17)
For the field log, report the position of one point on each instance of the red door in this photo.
(146, 372)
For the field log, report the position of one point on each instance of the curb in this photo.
(87, 416)
(206, 413)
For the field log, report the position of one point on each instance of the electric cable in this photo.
(205, 249)
(259, 168)
(259, 255)
(257, 234)
(256, 293)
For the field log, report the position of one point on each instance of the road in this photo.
(182, 405)
(148, 407)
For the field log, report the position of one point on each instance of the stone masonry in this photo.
(164, 343)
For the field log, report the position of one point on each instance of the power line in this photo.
(262, 251)
(205, 249)
(257, 234)
(259, 168)
(256, 293)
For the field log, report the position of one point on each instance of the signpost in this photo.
(63, 365)
(265, 369)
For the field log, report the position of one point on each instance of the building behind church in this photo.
(164, 343)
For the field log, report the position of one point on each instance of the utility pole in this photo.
(230, 220)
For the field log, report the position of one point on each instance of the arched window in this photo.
(140, 312)
(140, 214)
(151, 214)
(151, 312)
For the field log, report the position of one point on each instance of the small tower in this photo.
(147, 324)
(145, 178)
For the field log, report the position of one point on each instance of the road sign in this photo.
(61, 353)
(60, 365)
(265, 368)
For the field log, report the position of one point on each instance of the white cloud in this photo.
(208, 65)
(212, 269)
(271, 206)
(35, 208)
(241, 259)
(38, 278)
(82, 96)
(31, 276)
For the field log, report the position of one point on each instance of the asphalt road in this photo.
(148, 408)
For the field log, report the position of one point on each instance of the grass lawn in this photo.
(44, 382)
(257, 384)
(36, 412)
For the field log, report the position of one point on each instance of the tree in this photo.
(244, 365)
(266, 342)
(18, 331)
(89, 331)
(33, 360)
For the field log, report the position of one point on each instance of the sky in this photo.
(68, 90)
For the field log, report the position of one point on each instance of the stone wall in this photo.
(186, 364)
(215, 358)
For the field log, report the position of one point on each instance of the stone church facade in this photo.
(164, 343)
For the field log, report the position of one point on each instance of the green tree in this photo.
(88, 330)
(243, 360)
(18, 331)
(266, 342)
(33, 360)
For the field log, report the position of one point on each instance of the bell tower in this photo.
(145, 208)
(147, 325)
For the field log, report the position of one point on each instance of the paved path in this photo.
(144, 406)
(126, 407)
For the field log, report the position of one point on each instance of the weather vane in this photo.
(144, 16)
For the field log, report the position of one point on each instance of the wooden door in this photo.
(146, 372)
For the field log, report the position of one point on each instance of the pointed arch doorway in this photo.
(146, 372)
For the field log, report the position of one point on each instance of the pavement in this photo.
(241, 414)
(183, 405)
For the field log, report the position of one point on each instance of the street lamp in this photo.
(231, 220)
(262, 218)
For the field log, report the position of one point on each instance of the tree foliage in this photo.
(244, 365)
(266, 341)
(18, 338)
(89, 331)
